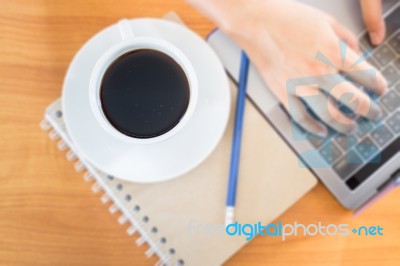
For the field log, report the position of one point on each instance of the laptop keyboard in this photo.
(355, 157)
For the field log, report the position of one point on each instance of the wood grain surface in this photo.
(49, 216)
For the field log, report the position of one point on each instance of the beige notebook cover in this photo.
(178, 218)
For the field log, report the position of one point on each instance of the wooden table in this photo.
(48, 216)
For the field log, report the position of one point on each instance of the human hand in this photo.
(372, 14)
(282, 39)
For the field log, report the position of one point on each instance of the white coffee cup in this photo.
(130, 43)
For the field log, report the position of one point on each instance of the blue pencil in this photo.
(237, 139)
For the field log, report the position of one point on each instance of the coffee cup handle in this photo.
(125, 29)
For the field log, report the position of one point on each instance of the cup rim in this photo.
(127, 46)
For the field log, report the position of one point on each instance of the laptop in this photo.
(374, 149)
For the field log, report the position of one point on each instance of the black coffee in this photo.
(144, 93)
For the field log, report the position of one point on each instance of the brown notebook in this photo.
(181, 219)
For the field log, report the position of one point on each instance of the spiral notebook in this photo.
(177, 218)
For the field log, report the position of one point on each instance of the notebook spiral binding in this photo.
(139, 224)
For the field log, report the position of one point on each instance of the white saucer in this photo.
(158, 161)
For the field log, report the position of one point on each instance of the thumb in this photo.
(372, 14)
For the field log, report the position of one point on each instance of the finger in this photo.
(344, 34)
(372, 14)
(353, 98)
(298, 112)
(330, 114)
(362, 72)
